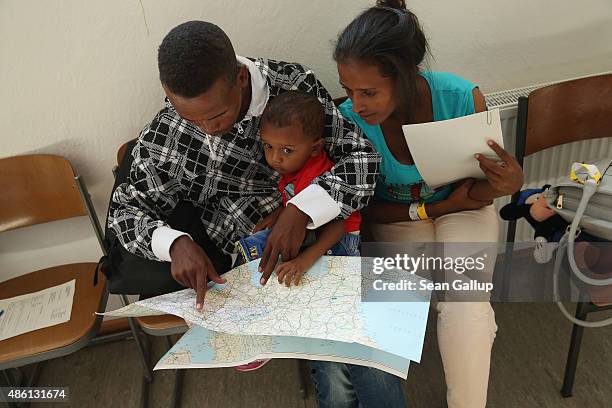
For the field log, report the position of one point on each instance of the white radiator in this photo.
(542, 167)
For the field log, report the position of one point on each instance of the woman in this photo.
(378, 57)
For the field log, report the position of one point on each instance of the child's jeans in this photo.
(252, 247)
(337, 385)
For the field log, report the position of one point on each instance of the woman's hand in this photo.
(505, 178)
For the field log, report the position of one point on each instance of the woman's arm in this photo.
(385, 212)
(469, 195)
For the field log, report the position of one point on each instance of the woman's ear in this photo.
(317, 147)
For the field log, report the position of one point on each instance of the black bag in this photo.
(130, 274)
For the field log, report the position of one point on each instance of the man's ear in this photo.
(243, 76)
(317, 147)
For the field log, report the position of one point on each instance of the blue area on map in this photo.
(197, 341)
(387, 323)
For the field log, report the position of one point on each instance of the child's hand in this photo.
(269, 220)
(291, 271)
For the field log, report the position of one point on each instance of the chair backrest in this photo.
(36, 189)
(569, 111)
(122, 151)
(566, 112)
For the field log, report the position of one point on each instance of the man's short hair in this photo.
(193, 56)
(294, 107)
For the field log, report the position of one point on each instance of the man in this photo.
(203, 149)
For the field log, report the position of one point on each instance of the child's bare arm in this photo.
(329, 236)
(292, 271)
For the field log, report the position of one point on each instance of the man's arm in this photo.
(139, 205)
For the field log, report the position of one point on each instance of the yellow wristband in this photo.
(421, 211)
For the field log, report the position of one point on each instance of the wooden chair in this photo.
(37, 189)
(566, 112)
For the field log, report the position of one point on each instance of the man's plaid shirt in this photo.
(229, 179)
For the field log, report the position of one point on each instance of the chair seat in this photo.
(57, 339)
(162, 325)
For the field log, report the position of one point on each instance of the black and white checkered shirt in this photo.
(227, 177)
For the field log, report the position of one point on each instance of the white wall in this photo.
(80, 77)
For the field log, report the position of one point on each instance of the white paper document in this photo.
(443, 151)
(33, 311)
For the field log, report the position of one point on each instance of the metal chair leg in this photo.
(7, 381)
(177, 392)
(143, 346)
(33, 377)
(506, 271)
(574, 350)
(144, 351)
(144, 392)
(179, 375)
(303, 380)
(140, 340)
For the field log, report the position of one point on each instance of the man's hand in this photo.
(284, 240)
(192, 268)
(269, 220)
